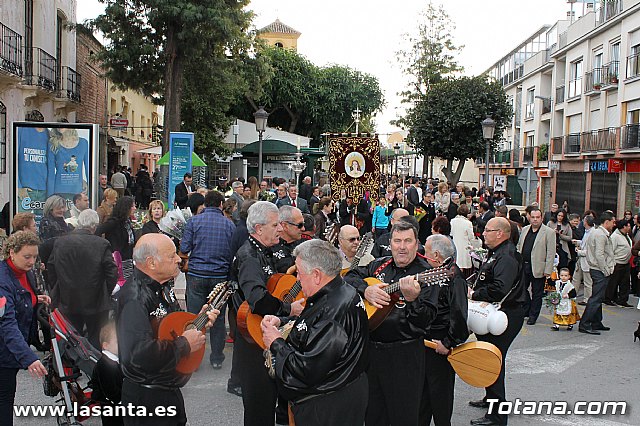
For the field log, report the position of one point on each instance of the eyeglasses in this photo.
(297, 225)
(353, 239)
(492, 230)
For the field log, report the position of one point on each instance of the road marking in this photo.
(536, 360)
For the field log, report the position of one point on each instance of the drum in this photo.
(486, 318)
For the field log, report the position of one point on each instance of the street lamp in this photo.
(404, 169)
(261, 124)
(396, 148)
(488, 128)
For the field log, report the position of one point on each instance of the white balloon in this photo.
(484, 318)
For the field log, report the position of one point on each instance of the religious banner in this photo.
(354, 166)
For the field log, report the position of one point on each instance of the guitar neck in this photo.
(202, 319)
(293, 293)
(436, 276)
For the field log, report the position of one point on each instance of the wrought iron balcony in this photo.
(70, 84)
(607, 9)
(599, 140)
(633, 65)
(630, 137)
(610, 74)
(10, 51)
(559, 94)
(572, 143)
(556, 145)
(527, 153)
(593, 80)
(40, 69)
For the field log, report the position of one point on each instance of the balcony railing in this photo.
(70, 82)
(10, 51)
(633, 65)
(611, 73)
(41, 69)
(546, 105)
(575, 87)
(556, 145)
(607, 9)
(599, 140)
(630, 137)
(593, 80)
(527, 153)
(559, 94)
(572, 143)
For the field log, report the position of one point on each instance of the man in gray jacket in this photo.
(601, 264)
(537, 245)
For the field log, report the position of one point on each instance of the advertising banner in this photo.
(53, 158)
(354, 166)
(180, 149)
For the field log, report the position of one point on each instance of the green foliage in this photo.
(446, 122)
(430, 57)
(306, 99)
(164, 47)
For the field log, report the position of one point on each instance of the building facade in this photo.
(575, 88)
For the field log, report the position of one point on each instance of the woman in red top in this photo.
(17, 321)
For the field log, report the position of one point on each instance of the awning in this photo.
(156, 150)
(269, 146)
(120, 141)
(195, 160)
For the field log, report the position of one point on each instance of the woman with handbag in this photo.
(118, 229)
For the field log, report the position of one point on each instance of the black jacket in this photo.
(253, 266)
(117, 234)
(81, 273)
(425, 222)
(327, 346)
(407, 321)
(283, 254)
(142, 304)
(346, 213)
(52, 227)
(151, 227)
(240, 236)
(182, 195)
(498, 274)
(305, 192)
(412, 199)
(106, 381)
(481, 221)
(450, 325)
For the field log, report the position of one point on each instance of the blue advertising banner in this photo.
(180, 149)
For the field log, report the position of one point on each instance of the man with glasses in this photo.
(349, 240)
(499, 280)
(292, 223)
(397, 345)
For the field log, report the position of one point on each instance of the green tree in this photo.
(446, 122)
(154, 44)
(308, 100)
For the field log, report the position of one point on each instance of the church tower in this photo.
(280, 35)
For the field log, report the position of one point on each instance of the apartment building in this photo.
(575, 88)
(38, 77)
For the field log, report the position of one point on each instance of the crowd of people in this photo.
(333, 368)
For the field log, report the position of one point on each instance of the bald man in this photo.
(149, 364)
(499, 280)
(349, 240)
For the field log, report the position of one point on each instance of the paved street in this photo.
(542, 365)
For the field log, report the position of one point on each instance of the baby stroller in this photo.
(69, 362)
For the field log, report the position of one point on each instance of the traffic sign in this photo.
(533, 180)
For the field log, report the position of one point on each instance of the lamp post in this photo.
(396, 148)
(261, 124)
(488, 128)
(404, 169)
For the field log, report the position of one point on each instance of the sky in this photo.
(365, 34)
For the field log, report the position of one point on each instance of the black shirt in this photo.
(407, 320)
(500, 273)
(527, 245)
(283, 254)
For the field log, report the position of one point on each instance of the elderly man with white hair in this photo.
(82, 275)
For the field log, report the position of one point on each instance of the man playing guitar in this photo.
(397, 345)
(253, 266)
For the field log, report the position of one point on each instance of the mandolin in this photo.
(173, 325)
(365, 243)
(437, 276)
(281, 286)
(477, 363)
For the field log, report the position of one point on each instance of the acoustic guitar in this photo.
(173, 325)
(281, 286)
(477, 363)
(437, 276)
(331, 233)
(365, 243)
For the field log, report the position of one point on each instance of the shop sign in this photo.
(637, 198)
(508, 172)
(280, 158)
(598, 166)
(554, 165)
(633, 166)
(616, 166)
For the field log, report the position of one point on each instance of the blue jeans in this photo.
(592, 315)
(197, 291)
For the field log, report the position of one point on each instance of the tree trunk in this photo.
(453, 176)
(294, 119)
(425, 166)
(173, 87)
